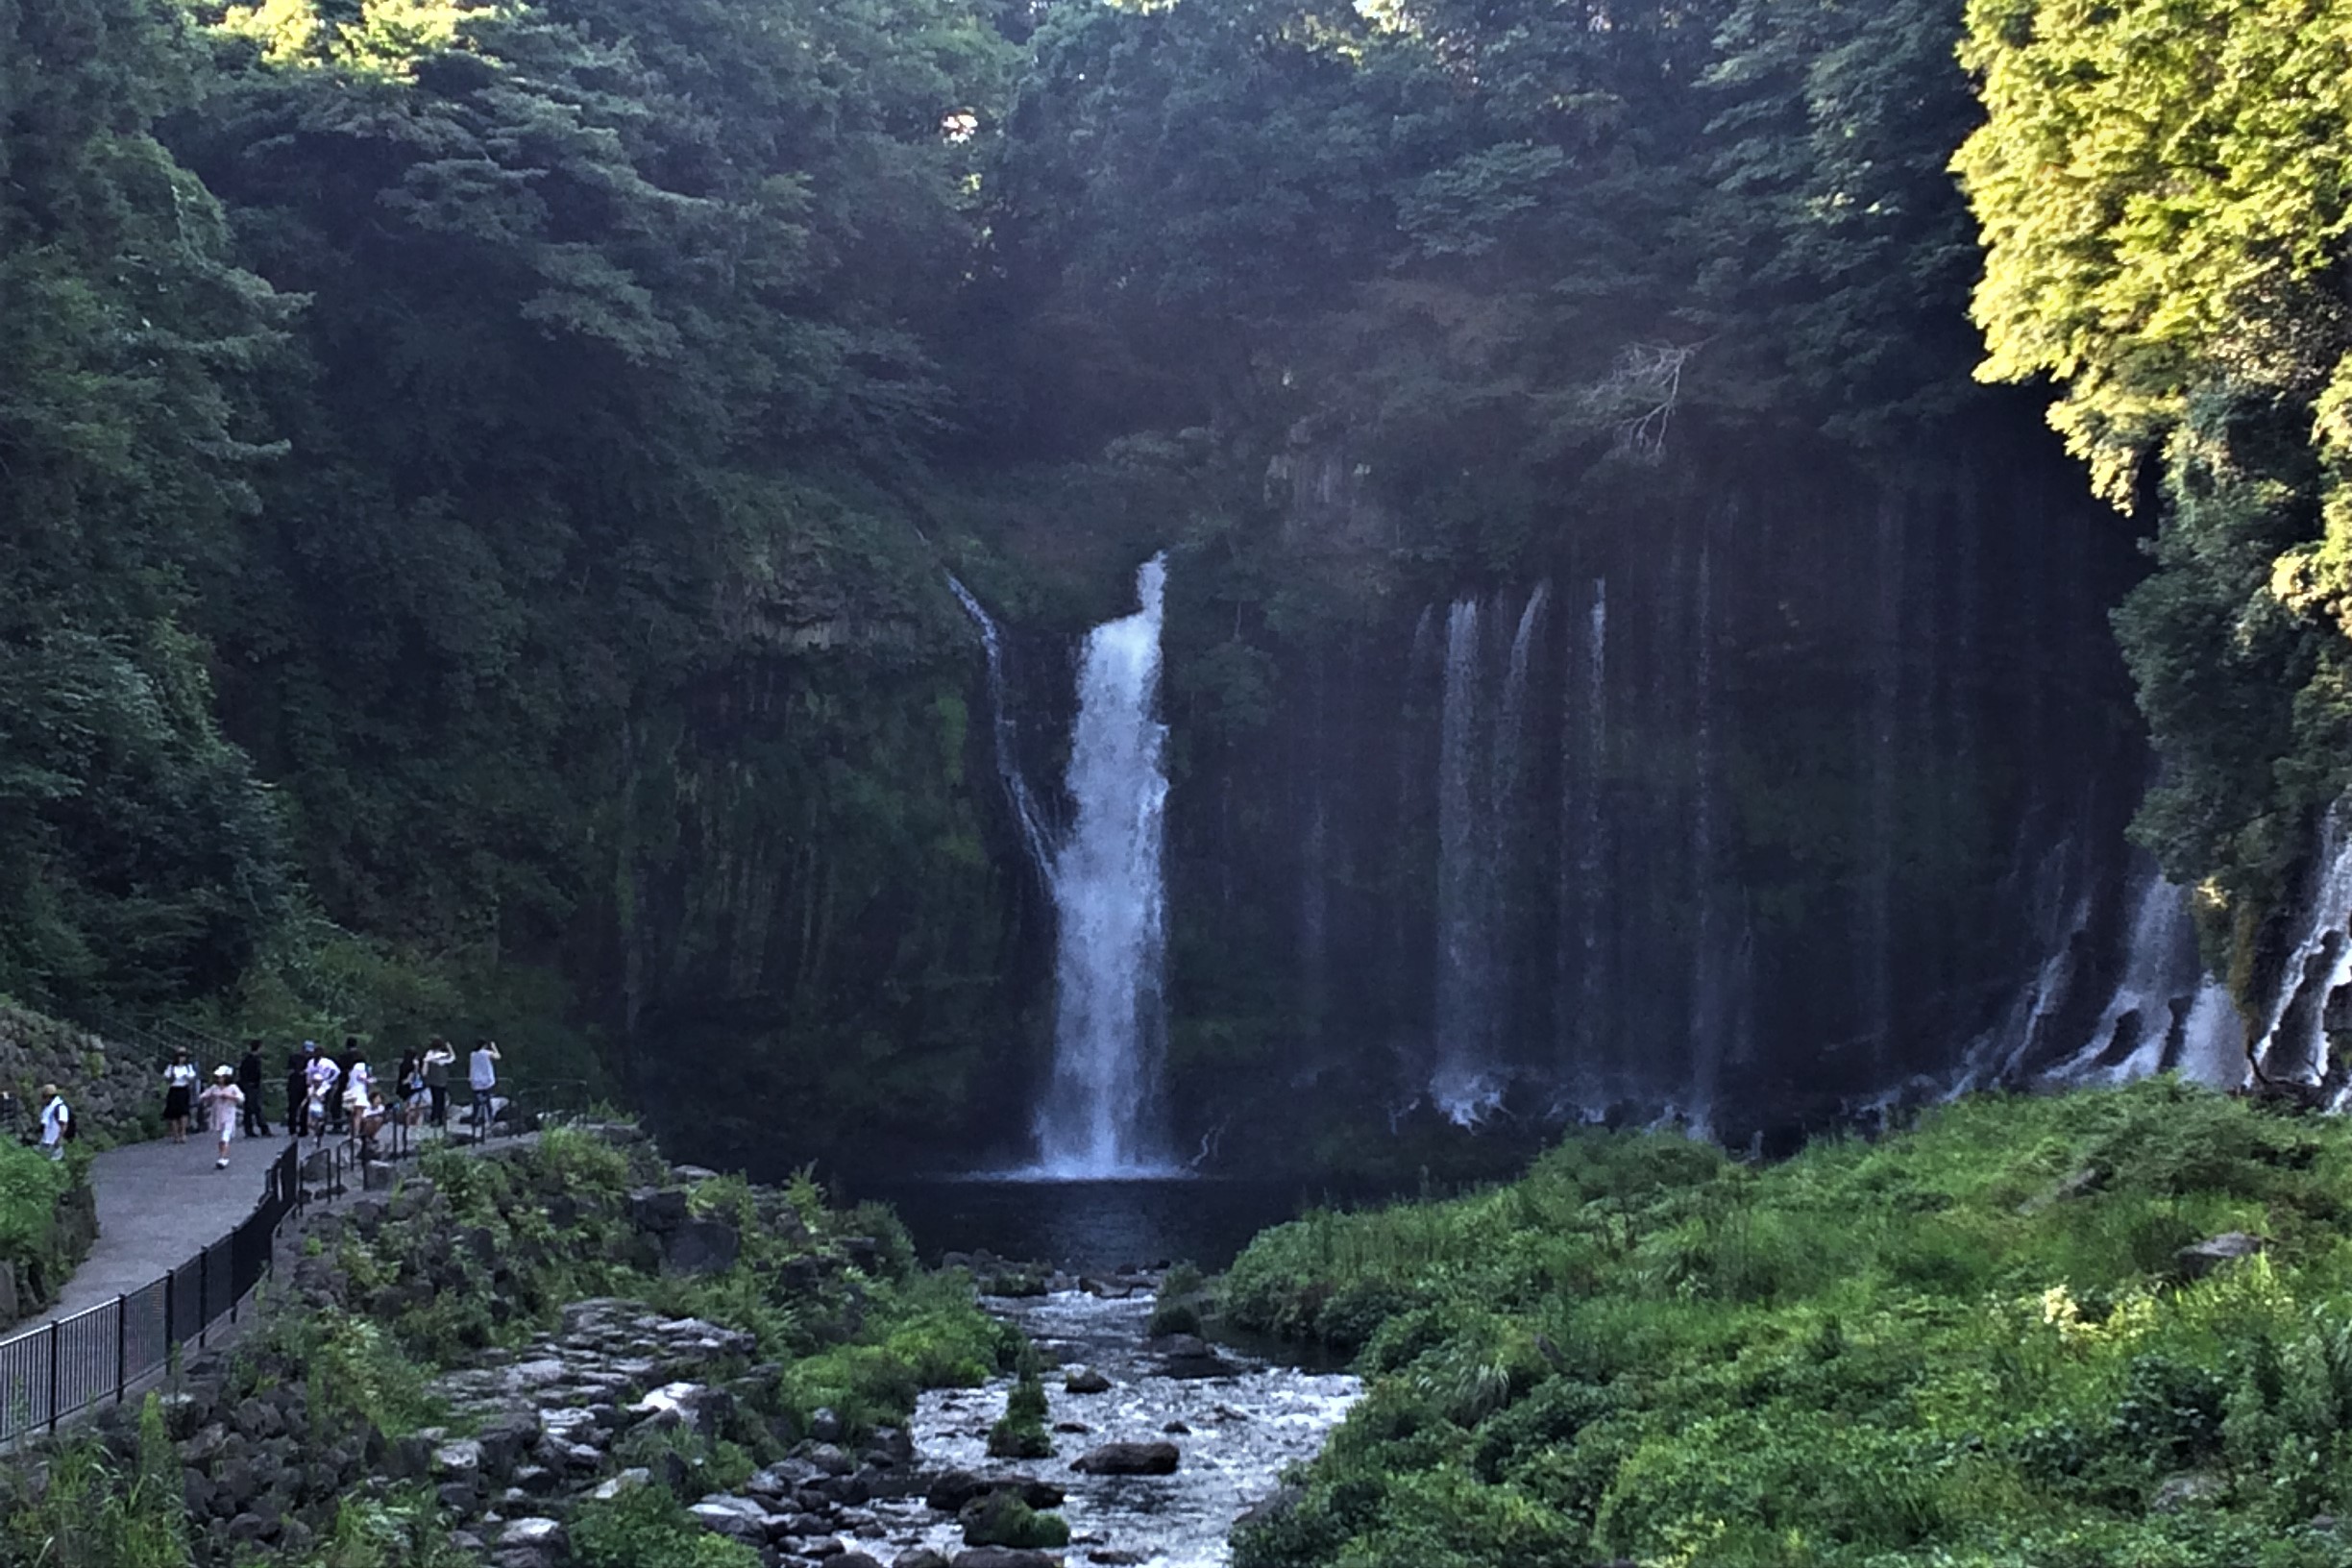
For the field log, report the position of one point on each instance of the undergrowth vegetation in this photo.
(31, 1183)
(487, 1256)
(1977, 1344)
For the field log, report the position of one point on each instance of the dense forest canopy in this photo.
(477, 478)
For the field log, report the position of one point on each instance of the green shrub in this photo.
(95, 1512)
(1020, 1432)
(31, 1183)
(645, 1527)
(1000, 1518)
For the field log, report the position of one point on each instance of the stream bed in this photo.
(1238, 1431)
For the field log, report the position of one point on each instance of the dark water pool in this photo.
(1093, 1224)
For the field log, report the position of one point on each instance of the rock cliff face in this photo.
(1750, 803)
(1753, 791)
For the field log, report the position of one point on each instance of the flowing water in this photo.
(1236, 1432)
(2294, 1040)
(1459, 1081)
(1037, 841)
(1100, 1115)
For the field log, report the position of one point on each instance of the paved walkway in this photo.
(158, 1203)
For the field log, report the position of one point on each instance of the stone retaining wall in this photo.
(110, 1089)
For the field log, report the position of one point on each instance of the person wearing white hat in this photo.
(222, 1102)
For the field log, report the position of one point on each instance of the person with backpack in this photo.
(57, 1122)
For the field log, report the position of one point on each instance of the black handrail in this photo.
(68, 1364)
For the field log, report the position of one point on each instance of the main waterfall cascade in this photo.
(1102, 1112)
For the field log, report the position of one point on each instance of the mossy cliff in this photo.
(2102, 1329)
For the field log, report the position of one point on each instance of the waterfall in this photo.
(1100, 1113)
(2212, 1039)
(1710, 1009)
(1510, 723)
(1036, 841)
(2142, 1029)
(1576, 977)
(2293, 1042)
(1877, 942)
(1461, 1084)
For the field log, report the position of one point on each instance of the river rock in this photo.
(1190, 1356)
(922, 1557)
(738, 1518)
(540, 1534)
(458, 1460)
(1129, 1459)
(995, 1519)
(856, 1559)
(1001, 1556)
(1086, 1380)
(950, 1489)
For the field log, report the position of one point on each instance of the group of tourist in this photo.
(327, 1096)
(324, 1097)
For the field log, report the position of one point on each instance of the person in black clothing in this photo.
(248, 1079)
(298, 1094)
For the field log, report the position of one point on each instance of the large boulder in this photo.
(658, 1209)
(1129, 1459)
(950, 1489)
(2196, 1261)
(738, 1518)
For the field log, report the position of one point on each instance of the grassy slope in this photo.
(1965, 1345)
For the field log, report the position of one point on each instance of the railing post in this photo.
(122, 1346)
(53, 1375)
(204, 1294)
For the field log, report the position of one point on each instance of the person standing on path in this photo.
(178, 1084)
(297, 1120)
(319, 1078)
(357, 1081)
(409, 1086)
(249, 1084)
(57, 1122)
(438, 1060)
(341, 1097)
(224, 1102)
(481, 1073)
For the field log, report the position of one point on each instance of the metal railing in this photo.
(69, 1365)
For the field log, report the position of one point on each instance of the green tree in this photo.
(138, 856)
(2165, 195)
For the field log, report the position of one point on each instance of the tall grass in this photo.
(1971, 1344)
